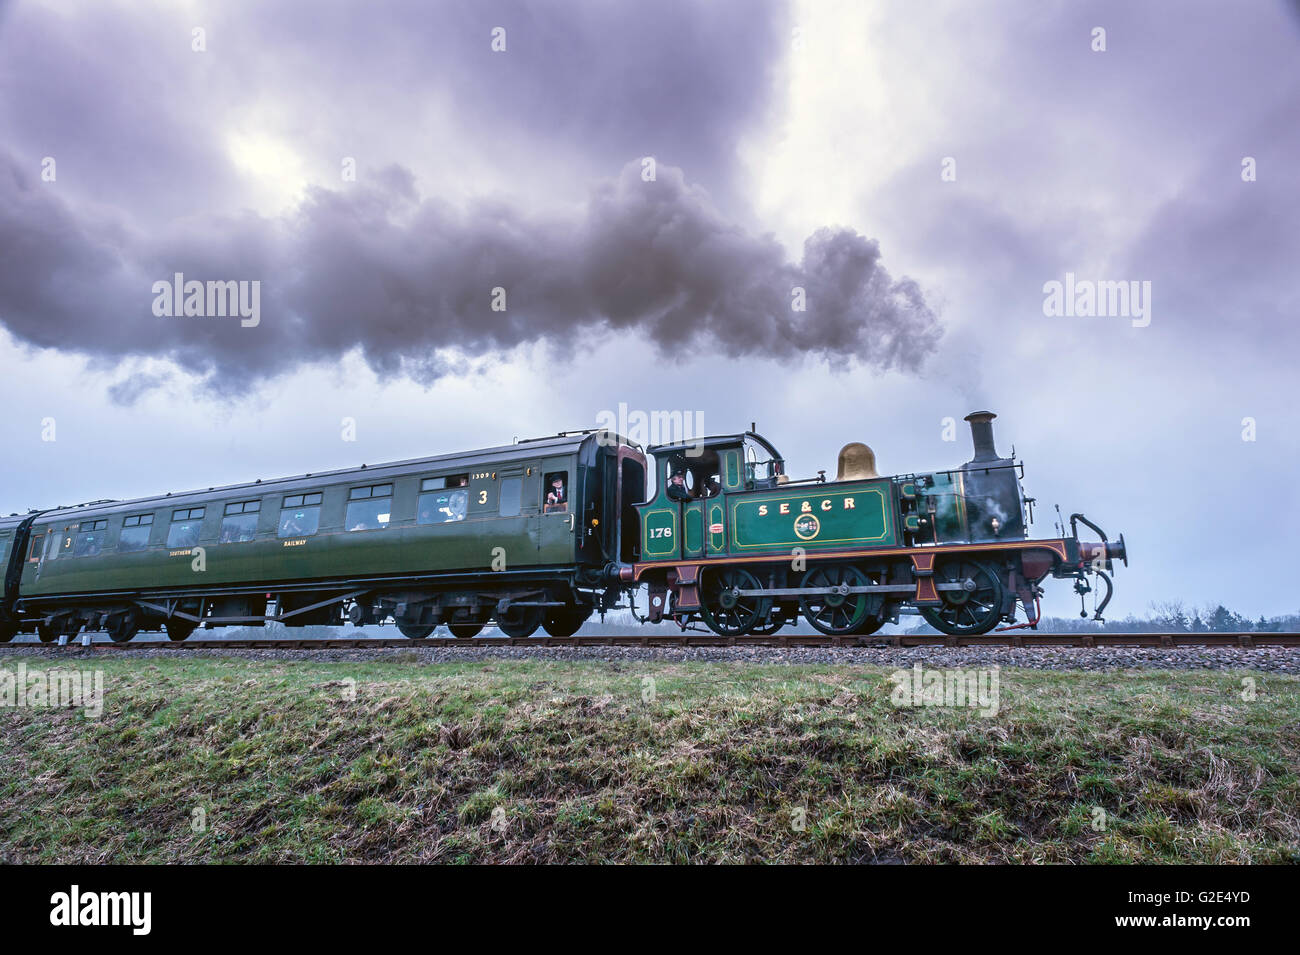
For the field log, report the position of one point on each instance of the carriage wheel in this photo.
(727, 612)
(413, 631)
(835, 614)
(466, 630)
(566, 621)
(8, 631)
(974, 609)
(122, 627)
(520, 622)
(178, 630)
(46, 633)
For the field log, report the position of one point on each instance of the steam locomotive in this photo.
(542, 533)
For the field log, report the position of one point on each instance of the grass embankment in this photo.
(547, 761)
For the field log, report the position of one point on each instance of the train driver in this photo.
(677, 486)
(708, 485)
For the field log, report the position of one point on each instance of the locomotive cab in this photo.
(691, 520)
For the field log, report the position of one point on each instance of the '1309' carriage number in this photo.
(661, 532)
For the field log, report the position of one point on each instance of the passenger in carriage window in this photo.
(557, 495)
(452, 508)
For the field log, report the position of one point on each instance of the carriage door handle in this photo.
(572, 521)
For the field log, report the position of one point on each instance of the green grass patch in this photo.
(212, 760)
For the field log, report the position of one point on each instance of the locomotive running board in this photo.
(874, 589)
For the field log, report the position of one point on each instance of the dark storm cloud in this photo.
(678, 79)
(137, 118)
(139, 124)
(379, 269)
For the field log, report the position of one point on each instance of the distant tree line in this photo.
(1172, 616)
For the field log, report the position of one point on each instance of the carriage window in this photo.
(239, 523)
(511, 491)
(184, 530)
(556, 488)
(90, 539)
(300, 515)
(135, 533)
(442, 500)
(369, 508)
(38, 544)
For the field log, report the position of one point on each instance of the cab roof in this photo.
(716, 441)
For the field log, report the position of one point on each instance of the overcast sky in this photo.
(919, 170)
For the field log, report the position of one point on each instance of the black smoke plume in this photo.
(409, 282)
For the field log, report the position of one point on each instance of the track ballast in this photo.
(1009, 638)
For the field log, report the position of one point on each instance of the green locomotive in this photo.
(541, 534)
(731, 539)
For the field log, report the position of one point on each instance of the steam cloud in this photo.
(408, 281)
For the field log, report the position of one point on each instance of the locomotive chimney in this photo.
(981, 431)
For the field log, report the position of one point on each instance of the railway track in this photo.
(1009, 638)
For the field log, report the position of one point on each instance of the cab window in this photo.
(184, 530)
(443, 499)
(90, 539)
(369, 507)
(761, 469)
(300, 515)
(239, 523)
(135, 533)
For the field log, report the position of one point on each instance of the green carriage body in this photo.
(502, 530)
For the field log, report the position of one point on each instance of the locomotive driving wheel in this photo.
(867, 627)
(775, 621)
(975, 607)
(728, 612)
(837, 612)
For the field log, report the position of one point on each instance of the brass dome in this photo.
(857, 462)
